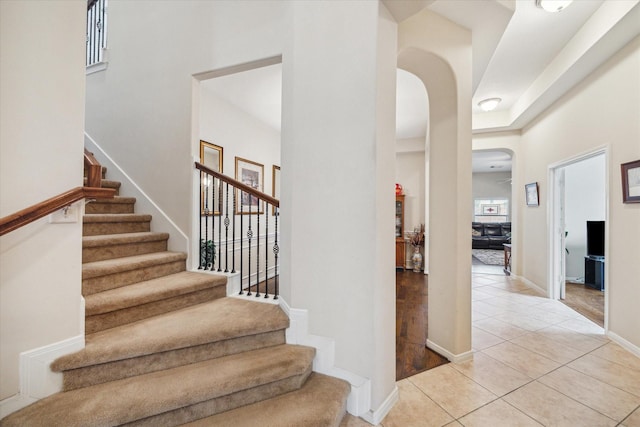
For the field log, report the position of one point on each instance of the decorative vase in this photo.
(417, 259)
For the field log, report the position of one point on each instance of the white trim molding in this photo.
(36, 378)
(532, 285)
(455, 358)
(178, 240)
(359, 400)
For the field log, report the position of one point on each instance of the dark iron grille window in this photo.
(96, 30)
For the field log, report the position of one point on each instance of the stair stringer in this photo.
(359, 400)
(178, 240)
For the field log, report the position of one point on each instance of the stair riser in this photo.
(98, 374)
(103, 228)
(108, 208)
(225, 403)
(116, 280)
(100, 322)
(101, 253)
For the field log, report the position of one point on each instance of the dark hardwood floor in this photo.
(412, 354)
(586, 301)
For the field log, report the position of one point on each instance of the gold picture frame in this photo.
(212, 156)
(249, 173)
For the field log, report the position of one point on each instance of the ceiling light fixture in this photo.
(489, 104)
(553, 5)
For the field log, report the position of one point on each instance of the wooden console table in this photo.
(507, 258)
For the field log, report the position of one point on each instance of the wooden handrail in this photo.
(37, 211)
(239, 185)
(94, 170)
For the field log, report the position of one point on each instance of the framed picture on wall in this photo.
(251, 174)
(211, 155)
(631, 182)
(490, 210)
(531, 194)
(275, 184)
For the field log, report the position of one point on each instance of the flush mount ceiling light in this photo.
(553, 5)
(489, 104)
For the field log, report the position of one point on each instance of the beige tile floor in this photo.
(536, 362)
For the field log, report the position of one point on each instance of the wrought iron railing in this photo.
(96, 30)
(238, 232)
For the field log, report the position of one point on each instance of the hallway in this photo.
(536, 362)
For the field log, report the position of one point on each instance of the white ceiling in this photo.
(522, 54)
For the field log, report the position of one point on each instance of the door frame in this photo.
(555, 218)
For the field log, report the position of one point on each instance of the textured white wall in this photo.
(439, 53)
(491, 185)
(42, 48)
(603, 110)
(337, 194)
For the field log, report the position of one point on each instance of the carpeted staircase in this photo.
(165, 347)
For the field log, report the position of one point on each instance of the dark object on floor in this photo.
(490, 235)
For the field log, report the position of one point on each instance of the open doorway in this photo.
(491, 211)
(578, 200)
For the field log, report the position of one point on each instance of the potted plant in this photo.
(207, 253)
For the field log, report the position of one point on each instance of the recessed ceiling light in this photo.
(489, 104)
(553, 5)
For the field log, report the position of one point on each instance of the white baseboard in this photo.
(624, 343)
(36, 378)
(530, 284)
(376, 417)
(455, 358)
(359, 400)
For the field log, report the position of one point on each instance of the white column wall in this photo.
(337, 191)
(42, 51)
(439, 53)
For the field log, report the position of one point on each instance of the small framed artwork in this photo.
(631, 182)
(531, 194)
(211, 156)
(251, 174)
(490, 210)
(275, 184)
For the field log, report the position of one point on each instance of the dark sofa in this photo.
(490, 235)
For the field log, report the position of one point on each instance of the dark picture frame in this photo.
(275, 185)
(630, 172)
(252, 174)
(532, 195)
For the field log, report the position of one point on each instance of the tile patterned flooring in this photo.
(536, 362)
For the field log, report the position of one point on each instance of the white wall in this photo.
(239, 134)
(42, 48)
(603, 110)
(410, 172)
(439, 53)
(585, 200)
(337, 192)
(491, 185)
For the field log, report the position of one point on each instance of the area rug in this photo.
(489, 256)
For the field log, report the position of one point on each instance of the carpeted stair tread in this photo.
(114, 223)
(105, 183)
(319, 403)
(116, 200)
(150, 290)
(135, 398)
(212, 321)
(123, 238)
(110, 266)
(93, 218)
